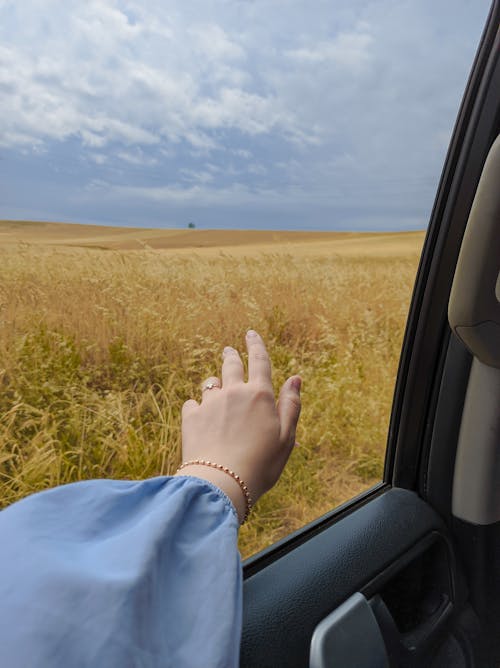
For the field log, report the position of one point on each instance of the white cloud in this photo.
(242, 153)
(251, 113)
(224, 102)
(257, 168)
(347, 50)
(137, 157)
(99, 158)
(198, 177)
(213, 43)
(235, 195)
(103, 78)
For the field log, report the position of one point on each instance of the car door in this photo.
(408, 573)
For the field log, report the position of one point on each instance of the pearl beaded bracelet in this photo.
(224, 469)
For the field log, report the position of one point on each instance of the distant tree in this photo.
(191, 226)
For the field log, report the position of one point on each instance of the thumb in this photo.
(289, 409)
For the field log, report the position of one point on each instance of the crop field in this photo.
(105, 332)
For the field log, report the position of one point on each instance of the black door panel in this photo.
(365, 551)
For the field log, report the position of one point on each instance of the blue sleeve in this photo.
(116, 574)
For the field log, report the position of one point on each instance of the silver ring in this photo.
(210, 386)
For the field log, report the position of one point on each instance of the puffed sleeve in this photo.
(117, 574)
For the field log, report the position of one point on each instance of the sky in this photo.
(269, 114)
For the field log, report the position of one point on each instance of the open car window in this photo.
(324, 131)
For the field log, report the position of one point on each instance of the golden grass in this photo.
(99, 349)
(210, 242)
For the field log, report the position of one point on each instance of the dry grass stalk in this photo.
(99, 349)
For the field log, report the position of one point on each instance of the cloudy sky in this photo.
(311, 114)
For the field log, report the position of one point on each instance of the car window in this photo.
(201, 170)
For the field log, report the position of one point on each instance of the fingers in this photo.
(259, 365)
(211, 384)
(232, 367)
(289, 409)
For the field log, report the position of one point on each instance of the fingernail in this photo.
(296, 444)
(251, 332)
(227, 350)
(296, 383)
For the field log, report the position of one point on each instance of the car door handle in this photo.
(350, 637)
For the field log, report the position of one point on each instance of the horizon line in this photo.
(198, 228)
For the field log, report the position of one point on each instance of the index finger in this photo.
(259, 364)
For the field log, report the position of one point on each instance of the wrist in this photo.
(224, 481)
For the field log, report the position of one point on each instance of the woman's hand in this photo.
(240, 426)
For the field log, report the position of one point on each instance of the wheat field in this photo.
(105, 332)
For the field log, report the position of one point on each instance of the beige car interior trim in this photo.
(476, 483)
(474, 315)
(474, 306)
